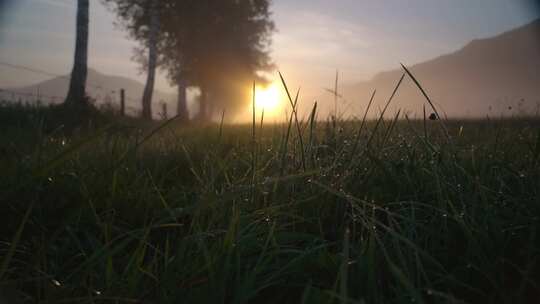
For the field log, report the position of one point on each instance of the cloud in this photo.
(314, 35)
(311, 45)
(317, 43)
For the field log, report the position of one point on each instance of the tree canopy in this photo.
(219, 46)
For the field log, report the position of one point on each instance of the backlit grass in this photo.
(384, 211)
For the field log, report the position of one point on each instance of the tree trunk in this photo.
(181, 109)
(152, 62)
(77, 85)
(203, 105)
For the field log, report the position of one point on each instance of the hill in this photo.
(493, 76)
(103, 88)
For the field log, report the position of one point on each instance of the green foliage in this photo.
(390, 211)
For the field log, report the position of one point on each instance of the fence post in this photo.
(122, 102)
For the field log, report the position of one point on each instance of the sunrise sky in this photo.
(314, 37)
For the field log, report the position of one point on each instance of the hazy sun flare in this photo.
(269, 99)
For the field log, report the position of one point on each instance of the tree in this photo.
(152, 61)
(222, 45)
(77, 86)
(181, 106)
(172, 60)
(218, 46)
(141, 18)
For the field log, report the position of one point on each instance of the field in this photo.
(367, 211)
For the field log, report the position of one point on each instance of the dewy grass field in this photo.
(384, 211)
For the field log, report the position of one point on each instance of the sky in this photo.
(313, 37)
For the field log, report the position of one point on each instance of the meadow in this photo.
(388, 210)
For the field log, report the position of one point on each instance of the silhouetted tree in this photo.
(221, 47)
(141, 18)
(172, 61)
(77, 86)
(218, 46)
(152, 60)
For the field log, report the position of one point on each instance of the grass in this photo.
(385, 211)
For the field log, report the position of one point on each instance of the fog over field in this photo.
(363, 40)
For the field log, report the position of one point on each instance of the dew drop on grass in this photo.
(56, 283)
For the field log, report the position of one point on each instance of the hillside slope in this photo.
(494, 76)
(102, 87)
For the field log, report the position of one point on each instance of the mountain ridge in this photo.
(487, 76)
(102, 87)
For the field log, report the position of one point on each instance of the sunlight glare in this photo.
(268, 98)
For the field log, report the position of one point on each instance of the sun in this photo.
(268, 98)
